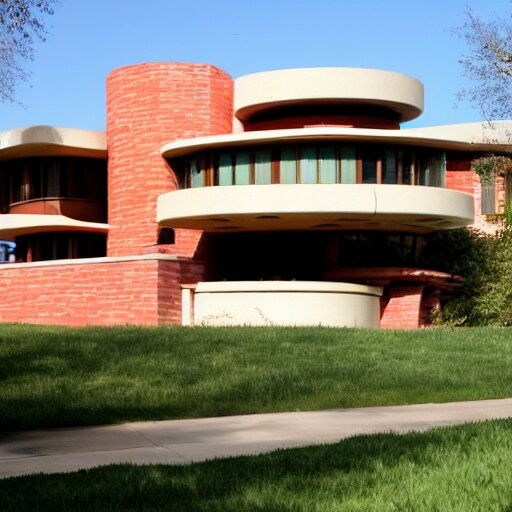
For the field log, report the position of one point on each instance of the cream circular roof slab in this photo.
(52, 141)
(16, 224)
(258, 92)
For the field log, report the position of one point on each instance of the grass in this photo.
(56, 376)
(466, 468)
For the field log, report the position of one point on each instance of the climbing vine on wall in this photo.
(489, 166)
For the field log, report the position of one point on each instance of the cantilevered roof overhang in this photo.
(462, 137)
(33, 141)
(13, 225)
(396, 92)
(315, 207)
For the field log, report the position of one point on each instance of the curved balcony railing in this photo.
(313, 207)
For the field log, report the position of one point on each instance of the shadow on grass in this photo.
(320, 478)
(58, 377)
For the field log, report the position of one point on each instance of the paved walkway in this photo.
(185, 441)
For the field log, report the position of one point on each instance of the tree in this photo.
(489, 65)
(22, 23)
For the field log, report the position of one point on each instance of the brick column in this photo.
(149, 105)
(402, 309)
(459, 176)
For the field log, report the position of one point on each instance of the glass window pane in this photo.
(225, 169)
(263, 167)
(436, 167)
(53, 179)
(423, 170)
(34, 177)
(196, 174)
(389, 166)
(508, 190)
(407, 168)
(17, 184)
(488, 198)
(327, 161)
(4, 190)
(308, 164)
(348, 164)
(288, 165)
(242, 174)
(369, 166)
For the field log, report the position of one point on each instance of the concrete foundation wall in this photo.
(287, 303)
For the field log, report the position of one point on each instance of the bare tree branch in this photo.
(489, 65)
(21, 24)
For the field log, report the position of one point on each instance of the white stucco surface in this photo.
(260, 91)
(43, 140)
(280, 207)
(293, 303)
(16, 224)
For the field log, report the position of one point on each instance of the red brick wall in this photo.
(131, 292)
(169, 294)
(459, 176)
(149, 105)
(401, 309)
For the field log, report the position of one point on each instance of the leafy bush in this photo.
(485, 262)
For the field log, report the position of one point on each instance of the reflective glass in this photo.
(327, 161)
(288, 165)
(348, 164)
(263, 167)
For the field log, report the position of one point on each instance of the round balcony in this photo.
(402, 208)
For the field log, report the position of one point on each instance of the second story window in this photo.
(320, 163)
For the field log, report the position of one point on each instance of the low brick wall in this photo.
(101, 292)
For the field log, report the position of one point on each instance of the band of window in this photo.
(314, 164)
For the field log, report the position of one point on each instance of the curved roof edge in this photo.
(259, 92)
(464, 137)
(16, 224)
(286, 286)
(43, 140)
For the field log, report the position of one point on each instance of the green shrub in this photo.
(485, 262)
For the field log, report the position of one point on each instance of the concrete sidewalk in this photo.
(185, 441)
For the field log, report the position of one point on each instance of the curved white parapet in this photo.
(52, 141)
(13, 225)
(465, 137)
(258, 92)
(297, 303)
(293, 207)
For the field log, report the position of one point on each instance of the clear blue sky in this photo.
(89, 38)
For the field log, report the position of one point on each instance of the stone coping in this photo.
(286, 286)
(90, 261)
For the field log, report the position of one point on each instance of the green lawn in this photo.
(55, 376)
(466, 469)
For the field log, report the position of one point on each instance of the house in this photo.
(288, 197)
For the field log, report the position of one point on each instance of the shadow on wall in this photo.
(35, 134)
